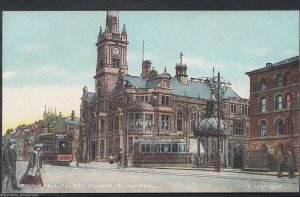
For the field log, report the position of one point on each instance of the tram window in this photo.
(63, 147)
(181, 147)
(165, 148)
(174, 148)
(155, 148)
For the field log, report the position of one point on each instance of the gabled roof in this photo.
(89, 96)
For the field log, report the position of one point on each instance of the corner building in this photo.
(274, 117)
(151, 117)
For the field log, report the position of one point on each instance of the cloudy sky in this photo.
(48, 57)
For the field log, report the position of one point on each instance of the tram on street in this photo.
(57, 148)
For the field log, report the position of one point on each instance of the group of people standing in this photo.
(289, 160)
(32, 176)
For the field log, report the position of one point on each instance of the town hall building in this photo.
(150, 118)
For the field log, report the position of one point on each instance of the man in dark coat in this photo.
(290, 164)
(9, 161)
(78, 156)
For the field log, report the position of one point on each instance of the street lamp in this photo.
(156, 102)
(218, 90)
(187, 113)
(126, 106)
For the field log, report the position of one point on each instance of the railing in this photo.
(162, 158)
(257, 159)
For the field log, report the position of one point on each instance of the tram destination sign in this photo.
(44, 137)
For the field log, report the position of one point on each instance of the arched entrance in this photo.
(93, 150)
(102, 149)
(238, 156)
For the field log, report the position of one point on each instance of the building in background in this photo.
(151, 118)
(236, 115)
(274, 111)
(27, 136)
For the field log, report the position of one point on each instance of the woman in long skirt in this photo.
(32, 177)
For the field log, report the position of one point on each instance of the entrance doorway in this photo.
(238, 156)
(93, 150)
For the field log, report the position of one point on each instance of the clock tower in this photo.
(111, 55)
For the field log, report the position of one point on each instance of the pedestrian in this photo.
(290, 164)
(280, 162)
(111, 159)
(9, 162)
(32, 177)
(78, 156)
(119, 159)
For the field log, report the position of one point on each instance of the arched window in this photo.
(193, 120)
(287, 126)
(179, 120)
(279, 127)
(262, 84)
(279, 102)
(263, 105)
(262, 128)
(279, 80)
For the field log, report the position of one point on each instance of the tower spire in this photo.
(112, 21)
(124, 32)
(143, 50)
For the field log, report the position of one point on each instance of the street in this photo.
(103, 177)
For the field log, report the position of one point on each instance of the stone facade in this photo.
(138, 115)
(274, 117)
(236, 116)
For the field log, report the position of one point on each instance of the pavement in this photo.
(102, 177)
(95, 165)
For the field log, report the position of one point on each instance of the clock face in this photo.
(115, 51)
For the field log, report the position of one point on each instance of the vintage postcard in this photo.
(150, 101)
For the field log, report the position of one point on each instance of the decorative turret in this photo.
(72, 115)
(124, 32)
(146, 68)
(181, 71)
(45, 113)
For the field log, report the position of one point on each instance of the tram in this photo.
(57, 148)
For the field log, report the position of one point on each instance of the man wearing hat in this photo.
(78, 156)
(9, 162)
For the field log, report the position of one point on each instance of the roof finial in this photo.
(100, 32)
(124, 32)
(181, 55)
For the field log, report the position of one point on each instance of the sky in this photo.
(48, 57)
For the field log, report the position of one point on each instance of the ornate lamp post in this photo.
(218, 90)
(126, 107)
(156, 103)
(187, 113)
